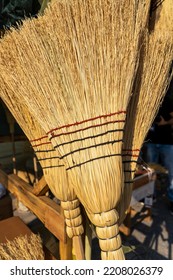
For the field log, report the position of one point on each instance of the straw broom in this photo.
(48, 160)
(152, 80)
(82, 103)
(53, 169)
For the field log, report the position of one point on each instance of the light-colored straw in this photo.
(151, 83)
(77, 65)
(53, 168)
(161, 16)
(27, 247)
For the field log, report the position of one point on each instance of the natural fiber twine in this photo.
(81, 79)
(28, 247)
(53, 169)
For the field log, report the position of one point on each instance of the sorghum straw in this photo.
(153, 77)
(27, 247)
(161, 16)
(76, 66)
(53, 169)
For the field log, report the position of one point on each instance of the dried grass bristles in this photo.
(84, 59)
(152, 80)
(27, 247)
(53, 168)
(161, 16)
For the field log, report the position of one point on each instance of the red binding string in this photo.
(129, 152)
(38, 139)
(37, 145)
(87, 120)
(77, 123)
(85, 128)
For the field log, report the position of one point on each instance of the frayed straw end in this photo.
(22, 248)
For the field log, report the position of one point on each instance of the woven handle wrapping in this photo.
(73, 217)
(108, 234)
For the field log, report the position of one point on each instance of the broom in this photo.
(79, 92)
(152, 80)
(53, 169)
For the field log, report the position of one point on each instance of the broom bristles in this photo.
(152, 80)
(160, 26)
(53, 169)
(161, 17)
(82, 77)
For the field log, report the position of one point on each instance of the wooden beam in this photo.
(44, 208)
(78, 247)
(65, 249)
(41, 187)
(49, 212)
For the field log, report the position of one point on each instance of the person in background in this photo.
(159, 141)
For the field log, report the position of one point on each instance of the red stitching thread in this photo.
(84, 121)
(38, 139)
(130, 150)
(85, 128)
(37, 145)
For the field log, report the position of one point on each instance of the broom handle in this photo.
(88, 240)
(78, 247)
(14, 153)
(35, 168)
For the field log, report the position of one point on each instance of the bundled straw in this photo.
(150, 86)
(28, 247)
(53, 169)
(76, 66)
(161, 16)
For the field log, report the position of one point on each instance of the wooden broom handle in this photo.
(78, 247)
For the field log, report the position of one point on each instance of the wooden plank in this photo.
(55, 223)
(41, 187)
(65, 249)
(143, 180)
(18, 226)
(52, 204)
(48, 212)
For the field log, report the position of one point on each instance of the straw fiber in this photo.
(152, 80)
(22, 248)
(53, 169)
(77, 65)
(161, 17)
